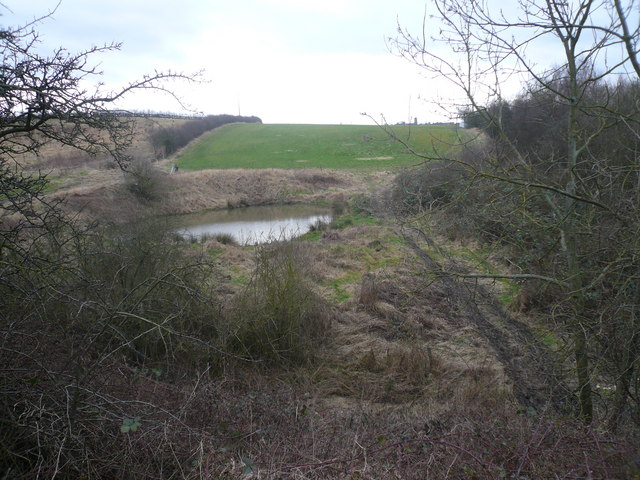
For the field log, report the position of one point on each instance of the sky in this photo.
(285, 61)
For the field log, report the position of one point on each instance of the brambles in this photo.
(108, 302)
(158, 299)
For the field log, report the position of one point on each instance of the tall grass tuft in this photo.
(278, 318)
(319, 225)
(225, 239)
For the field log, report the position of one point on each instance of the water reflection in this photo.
(253, 225)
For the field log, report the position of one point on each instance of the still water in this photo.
(253, 225)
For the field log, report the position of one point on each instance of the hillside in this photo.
(313, 146)
(350, 157)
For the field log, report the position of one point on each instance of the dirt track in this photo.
(530, 365)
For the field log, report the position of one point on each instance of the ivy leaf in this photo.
(249, 466)
(130, 424)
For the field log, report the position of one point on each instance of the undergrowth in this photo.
(278, 317)
(80, 321)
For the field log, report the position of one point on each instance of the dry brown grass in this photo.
(96, 188)
(102, 194)
(211, 189)
(57, 155)
(403, 386)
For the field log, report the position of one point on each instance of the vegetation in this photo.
(553, 178)
(313, 146)
(373, 347)
(278, 318)
(168, 139)
(144, 180)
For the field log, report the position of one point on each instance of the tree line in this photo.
(167, 140)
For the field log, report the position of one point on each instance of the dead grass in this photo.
(56, 155)
(102, 194)
(403, 386)
(211, 189)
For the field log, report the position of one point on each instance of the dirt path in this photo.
(529, 364)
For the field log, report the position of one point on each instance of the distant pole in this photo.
(239, 114)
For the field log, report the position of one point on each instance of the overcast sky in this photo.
(286, 61)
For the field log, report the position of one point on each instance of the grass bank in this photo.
(312, 146)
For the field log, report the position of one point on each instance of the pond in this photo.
(253, 225)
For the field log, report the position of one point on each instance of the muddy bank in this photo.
(189, 192)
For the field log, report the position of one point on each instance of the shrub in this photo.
(82, 321)
(144, 180)
(278, 317)
(155, 295)
(319, 226)
(362, 204)
(426, 187)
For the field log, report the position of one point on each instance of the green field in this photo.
(313, 146)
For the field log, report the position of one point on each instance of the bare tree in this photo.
(72, 298)
(48, 99)
(576, 193)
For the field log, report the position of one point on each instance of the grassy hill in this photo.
(312, 146)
